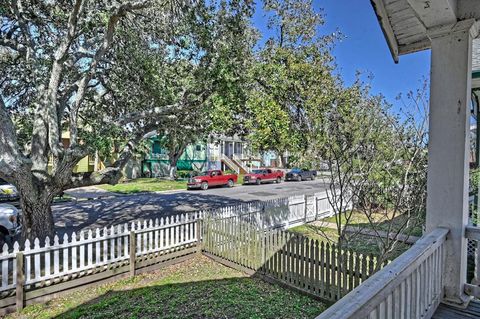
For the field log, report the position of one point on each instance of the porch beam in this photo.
(433, 13)
(448, 149)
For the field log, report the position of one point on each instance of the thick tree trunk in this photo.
(280, 160)
(173, 157)
(172, 171)
(172, 166)
(37, 217)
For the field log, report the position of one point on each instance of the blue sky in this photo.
(364, 48)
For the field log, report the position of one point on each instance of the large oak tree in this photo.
(59, 73)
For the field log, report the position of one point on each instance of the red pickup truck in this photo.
(259, 176)
(211, 178)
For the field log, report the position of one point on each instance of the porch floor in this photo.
(448, 312)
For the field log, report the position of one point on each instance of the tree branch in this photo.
(120, 12)
(111, 174)
(46, 131)
(137, 116)
(19, 12)
(11, 159)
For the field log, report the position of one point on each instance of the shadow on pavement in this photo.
(122, 209)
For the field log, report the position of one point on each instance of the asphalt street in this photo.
(105, 212)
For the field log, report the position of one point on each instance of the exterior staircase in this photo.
(233, 165)
(243, 168)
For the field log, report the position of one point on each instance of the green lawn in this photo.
(198, 288)
(140, 185)
(360, 243)
(361, 220)
(145, 185)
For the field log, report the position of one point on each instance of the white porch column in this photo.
(448, 147)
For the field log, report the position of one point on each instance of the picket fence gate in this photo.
(317, 268)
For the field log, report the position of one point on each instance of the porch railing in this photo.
(230, 163)
(409, 287)
(472, 233)
(240, 163)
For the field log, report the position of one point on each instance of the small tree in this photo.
(378, 164)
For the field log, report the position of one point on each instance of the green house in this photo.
(156, 161)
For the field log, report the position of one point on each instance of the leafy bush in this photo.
(184, 173)
(474, 180)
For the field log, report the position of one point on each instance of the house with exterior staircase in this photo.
(219, 152)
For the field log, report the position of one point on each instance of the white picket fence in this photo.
(279, 213)
(97, 251)
(108, 252)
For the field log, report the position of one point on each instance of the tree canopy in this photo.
(90, 68)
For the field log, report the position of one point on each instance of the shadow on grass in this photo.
(226, 298)
(359, 243)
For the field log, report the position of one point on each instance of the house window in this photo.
(198, 148)
(157, 148)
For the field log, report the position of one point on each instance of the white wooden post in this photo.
(447, 187)
(132, 240)
(20, 282)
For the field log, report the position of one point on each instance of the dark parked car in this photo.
(300, 174)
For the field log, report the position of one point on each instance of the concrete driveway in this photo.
(105, 212)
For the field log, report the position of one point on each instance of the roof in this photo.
(408, 24)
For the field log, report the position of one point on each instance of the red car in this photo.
(211, 178)
(259, 176)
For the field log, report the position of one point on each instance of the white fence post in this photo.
(19, 293)
(305, 206)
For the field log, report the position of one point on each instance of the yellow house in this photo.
(86, 164)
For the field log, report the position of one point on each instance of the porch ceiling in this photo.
(408, 24)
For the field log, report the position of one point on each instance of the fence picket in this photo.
(156, 235)
(81, 248)
(47, 257)
(316, 265)
(97, 246)
(56, 256)
(90, 248)
(126, 244)
(311, 265)
(323, 270)
(16, 249)
(5, 266)
(119, 241)
(333, 271)
(162, 233)
(112, 243)
(36, 259)
(65, 254)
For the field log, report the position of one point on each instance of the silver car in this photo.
(10, 225)
(8, 192)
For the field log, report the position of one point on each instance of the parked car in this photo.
(211, 178)
(8, 192)
(300, 174)
(9, 222)
(259, 176)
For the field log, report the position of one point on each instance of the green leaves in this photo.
(292, 81)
